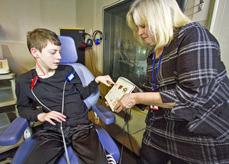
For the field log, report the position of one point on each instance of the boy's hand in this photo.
(105, 80)
(50, 116)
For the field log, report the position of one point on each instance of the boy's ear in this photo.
(34, 52)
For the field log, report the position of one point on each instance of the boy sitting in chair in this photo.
(58, 89)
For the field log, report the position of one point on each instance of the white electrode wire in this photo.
(40, 101)
(61, 127)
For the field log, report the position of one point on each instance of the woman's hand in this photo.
(105, 80)
(127, 101)
(50, 116)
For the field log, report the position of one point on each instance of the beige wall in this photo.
(92, 12)
(18, 17)
(220, 28)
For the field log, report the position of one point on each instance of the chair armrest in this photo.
(104, 114)
(108, 143)
(14, 132)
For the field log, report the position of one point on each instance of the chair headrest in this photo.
(68, 50)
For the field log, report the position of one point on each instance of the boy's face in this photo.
(49, 57)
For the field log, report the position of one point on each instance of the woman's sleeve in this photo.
(198, 71)
(24, 104)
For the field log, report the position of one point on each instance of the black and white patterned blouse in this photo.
(193, 76)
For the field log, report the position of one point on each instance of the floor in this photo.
(7, 114)
(127, 156)
(10, 111)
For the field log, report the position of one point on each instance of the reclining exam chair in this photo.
(18, 127)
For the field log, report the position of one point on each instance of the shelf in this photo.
(7, 90)
(7, 76)
(7, 103)
(6, 97)
(4, 121)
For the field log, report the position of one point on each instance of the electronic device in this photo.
(87, 41)
(97, 37)
(122, 87)
(4, 66)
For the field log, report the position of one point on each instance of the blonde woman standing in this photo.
(187, 88)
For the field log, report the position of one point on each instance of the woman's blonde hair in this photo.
(162, 17)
